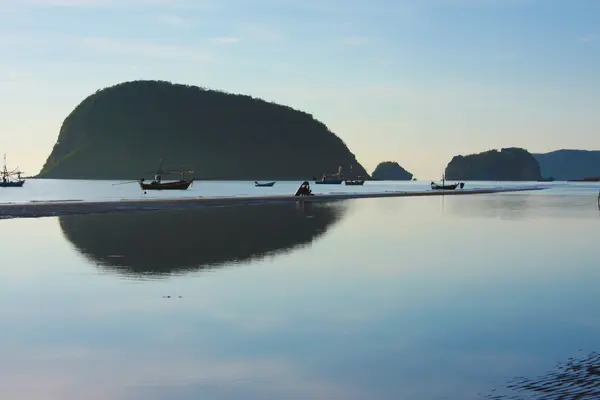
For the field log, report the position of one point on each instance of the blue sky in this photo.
(412, 81)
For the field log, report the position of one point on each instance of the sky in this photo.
(415, 82)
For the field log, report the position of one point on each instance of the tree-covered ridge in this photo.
(510, 164)
(568, 164)
(121, 131)
(391, 171)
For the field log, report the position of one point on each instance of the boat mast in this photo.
(159, 171)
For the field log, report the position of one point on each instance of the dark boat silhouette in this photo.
(158, 184)
(266, 184)
(355, 182)
(443, 186)
(6, 175)
(330, 180)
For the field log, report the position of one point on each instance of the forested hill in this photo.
(565, 164)
(509, 164)
(121, 132)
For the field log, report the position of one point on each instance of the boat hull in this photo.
(330, 182)
(444, 187)
(267, 184)
(357, 182)
(12, 184)
(172, 185)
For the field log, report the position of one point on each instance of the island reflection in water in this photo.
(171, 242)
(512, 206)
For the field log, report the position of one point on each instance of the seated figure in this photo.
(304, 190)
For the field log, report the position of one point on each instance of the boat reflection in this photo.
(170, 242)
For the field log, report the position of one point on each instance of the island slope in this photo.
(568, 164)
(390, 171)
(510, 164)
(121, 132)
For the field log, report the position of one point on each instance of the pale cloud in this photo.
(587, 39)
(105, 3)
(117, 46)
(224, 40)
(108, 46)
(173, 20)
(261, 33)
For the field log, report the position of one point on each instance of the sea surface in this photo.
(451, 297)
(105, 190)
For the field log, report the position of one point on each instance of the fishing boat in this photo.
(355, 182)
(159, 184)
(266, 184)
(435, 186)
(333, 179)
(358, 181)
(6, 177)
(443, 186)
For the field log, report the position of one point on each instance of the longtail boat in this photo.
(443, 186)
(355, 182)
(159, 184)
(266, 184)
(358, 181)
(6, 174)
(329, 180)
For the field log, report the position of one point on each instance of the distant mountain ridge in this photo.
(566, 164)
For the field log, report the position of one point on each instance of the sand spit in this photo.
(36, 209)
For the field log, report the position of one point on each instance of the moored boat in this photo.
(358, 181)
(333, 179)
(329, 182)
(170, 185)
(443, 186)
(6, 174)
(435, 186)
(158, 184)
(354, 182)
(266, 184)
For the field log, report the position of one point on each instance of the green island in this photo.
(390, 171)
(509, 164)
(122, 131)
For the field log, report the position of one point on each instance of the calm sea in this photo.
(457, 297)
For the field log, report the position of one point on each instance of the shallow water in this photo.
(413, 298)
(101, 190)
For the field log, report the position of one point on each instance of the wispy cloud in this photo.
(69, 3)
(587, 39)
(105, 3)
(260, 33)
(174, 21)
(105, 47)
(224, 40)
(141, 49)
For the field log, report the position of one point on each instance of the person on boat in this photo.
(462, 185)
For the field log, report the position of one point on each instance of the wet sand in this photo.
(36, 209)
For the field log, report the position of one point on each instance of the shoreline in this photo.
(55, 208)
